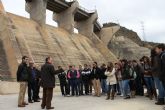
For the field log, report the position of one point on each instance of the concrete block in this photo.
(65, 19)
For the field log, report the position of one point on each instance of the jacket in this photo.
(62, 76)
(162, 67)
(95, 74)
(23, 73)
(111, 77)
(102, 73)
(73, 75)
(86, 74)
(48, 76)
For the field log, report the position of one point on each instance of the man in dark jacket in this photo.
(160, 50)
(86, 78)
(33, 83)
(103, 79)
(48, 83)
(95, 75)
(80, 82)
(22, 78)
(63, 81)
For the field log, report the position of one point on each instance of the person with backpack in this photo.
(22, 78)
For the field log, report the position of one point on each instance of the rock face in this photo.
(125, 48)
(22, 36)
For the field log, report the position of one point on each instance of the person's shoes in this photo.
(48, 108)
(36, 101)
(21, 105)
(24, 103)
(160, 102)
(30, 101)
(127, 97)
(42, 107)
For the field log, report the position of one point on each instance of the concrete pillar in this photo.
(2, 11)
(37, 10)
(108, 33)
(65, 19)
(86, 27)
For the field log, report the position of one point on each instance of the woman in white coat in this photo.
(111, 80)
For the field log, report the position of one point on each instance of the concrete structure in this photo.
(65, 19)
(37, 10)
(86, 27)
(22, 36)
(107, 33)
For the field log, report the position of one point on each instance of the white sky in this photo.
(128, 13)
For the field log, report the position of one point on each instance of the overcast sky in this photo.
(128, 13)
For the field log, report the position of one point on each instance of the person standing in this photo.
(32, 83)
(48, 83)
(95, 74)
(149, 78)
(126, 69)
(103, 79)
(111, 80)
(86, 78)
(79, 81)
(160, 51)
(73, 75)
(139, 78)
(63, 81)
(22, 78)
(119, 78)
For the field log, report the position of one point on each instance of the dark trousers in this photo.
(90, 86)
(64, 89)
(47, 97)
(163, 82)
(37, 89)
(74, 87)
(86, 86)
(139, 86)
(80, 86)
(32, 91)
(132, 85)
(111, 87)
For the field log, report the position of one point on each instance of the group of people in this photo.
(125, 78)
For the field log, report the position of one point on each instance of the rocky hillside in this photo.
(123, 31)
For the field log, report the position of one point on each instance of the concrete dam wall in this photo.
(22, 36)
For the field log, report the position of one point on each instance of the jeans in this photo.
(126, 87)
(150, 84)
(121, 87)
(104, 85)
(160, 87)
(74, 87)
